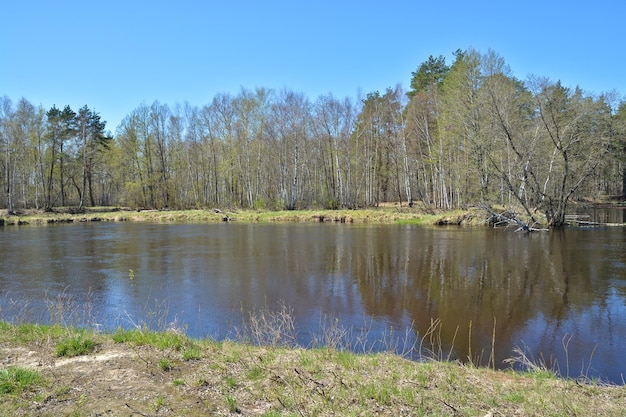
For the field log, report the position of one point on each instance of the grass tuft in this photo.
(15, 380)
(192, 353)
(161, 340)
(166, 364)
(76, 345)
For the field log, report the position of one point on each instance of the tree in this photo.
(378, 130)
(470, 134)
(92, 139)
(567, 123)
(137, 153)
(290, 117)
(619, 146)
(59, 128)
(160, 119)
(332, 125)
(422, 132)
(251, 110)
(556, 138)
(430, 75)
(6, 117)
(218, 131)
(462, 171)
(19, 131)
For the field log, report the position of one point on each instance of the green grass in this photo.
(161, 340)
(255, 373)
(29, 332)
(15, 380)
(211, 378)
(347, 359)
(192, 352)
(231, 382)
(76, 345)
(166, 364)
(232, 403)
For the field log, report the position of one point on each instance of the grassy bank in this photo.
(55, 370)
(388, 214)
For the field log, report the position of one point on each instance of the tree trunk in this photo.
(624, 180)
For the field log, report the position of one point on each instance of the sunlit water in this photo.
(560, 297)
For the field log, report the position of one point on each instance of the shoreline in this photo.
(82, 372)
(382, 215)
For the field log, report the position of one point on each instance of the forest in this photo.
(464, 134)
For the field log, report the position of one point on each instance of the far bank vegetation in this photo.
(465, 134)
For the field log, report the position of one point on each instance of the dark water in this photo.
(560, 296)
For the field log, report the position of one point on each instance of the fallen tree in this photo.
(509, 218)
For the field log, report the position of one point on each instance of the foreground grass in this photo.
(135, 372)
(387, 214)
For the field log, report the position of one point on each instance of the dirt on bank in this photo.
(229, 379)
(119, 380)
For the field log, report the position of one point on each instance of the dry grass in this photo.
(383, 214)
(152, 374)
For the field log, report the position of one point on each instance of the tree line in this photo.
(464, 134)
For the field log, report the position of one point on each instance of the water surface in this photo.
(560, 296)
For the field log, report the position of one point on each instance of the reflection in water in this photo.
(535, 291)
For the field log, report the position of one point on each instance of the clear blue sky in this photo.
(114, 55)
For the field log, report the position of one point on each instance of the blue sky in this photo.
(114, 55)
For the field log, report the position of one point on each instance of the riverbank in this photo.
(386, 214)
(55, 370)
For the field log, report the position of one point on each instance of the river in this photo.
(560, 297)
